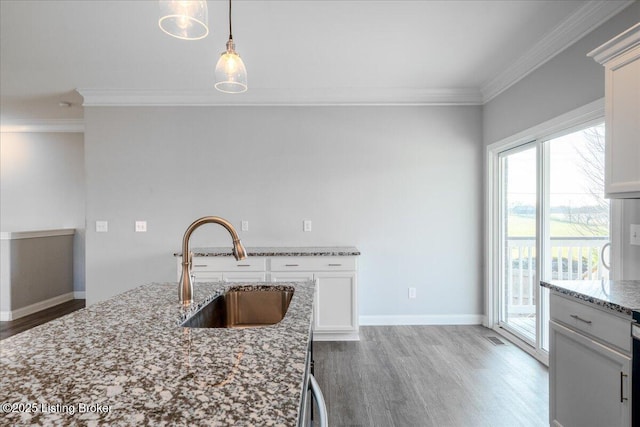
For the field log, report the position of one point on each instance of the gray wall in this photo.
(568, 81)
(42, 187)
(401, 183)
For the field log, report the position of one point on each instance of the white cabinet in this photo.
(589, 377)
(336, 304)
(335, 308)
(621, 59)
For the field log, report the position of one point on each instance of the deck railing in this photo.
(573, 258)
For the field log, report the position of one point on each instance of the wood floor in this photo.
(13, 327)
(423, 376)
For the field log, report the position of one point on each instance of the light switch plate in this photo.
(102, 226)
(306, 225)
(141, 226)
(245, 226)
(635, 234)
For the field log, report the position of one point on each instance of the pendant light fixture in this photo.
(184, 19)
(231, 75)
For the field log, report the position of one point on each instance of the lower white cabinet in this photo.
(589, 379)
(335, 313)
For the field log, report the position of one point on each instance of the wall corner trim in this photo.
(580, 23)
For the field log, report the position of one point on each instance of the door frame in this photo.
(563, 124)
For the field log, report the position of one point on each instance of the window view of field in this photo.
(577, 219)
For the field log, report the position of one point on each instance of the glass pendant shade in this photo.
(231, 75)
(184, 19)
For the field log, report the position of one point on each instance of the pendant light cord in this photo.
(230, 35)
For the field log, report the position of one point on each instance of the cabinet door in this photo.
(336, 300)
(589, 383)
(622, 160)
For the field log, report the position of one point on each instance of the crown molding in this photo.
(617, 45)
(281, 97)
(43, 125)
(581, 22)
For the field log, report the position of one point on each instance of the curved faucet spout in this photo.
(186, 284)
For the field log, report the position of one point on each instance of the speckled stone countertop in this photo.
(279, 251)
(130, 359)
(622, 296)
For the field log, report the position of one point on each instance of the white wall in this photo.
(42, 187)
(568, 81)
(403, 184)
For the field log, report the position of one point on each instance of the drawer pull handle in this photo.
(335, 265)
(244, 265)
(622, 398)
(200, 265)
(291, 265)
(575, 316)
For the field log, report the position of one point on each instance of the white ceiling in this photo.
(296, 52)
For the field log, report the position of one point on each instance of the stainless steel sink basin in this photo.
(239, 308)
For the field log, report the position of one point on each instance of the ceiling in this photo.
(297, 52)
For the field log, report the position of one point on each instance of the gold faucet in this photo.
(186, 284)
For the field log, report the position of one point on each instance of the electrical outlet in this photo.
(245, 226)
(141, 226)
(412, 293)
(306, 225)
(635, 234)
(102, 226)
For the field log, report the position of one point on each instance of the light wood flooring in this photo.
(424, 376)
(13, 327)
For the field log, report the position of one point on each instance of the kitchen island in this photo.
(127, 361)
(594, 363)
(620, 296)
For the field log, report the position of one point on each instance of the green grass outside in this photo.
(525, 226)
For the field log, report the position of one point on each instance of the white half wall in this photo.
(403, 184)
(42, 187)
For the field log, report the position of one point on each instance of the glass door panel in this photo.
(577, 218)
(518, 207)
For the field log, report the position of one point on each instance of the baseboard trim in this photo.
(79, 295)
(336, 336)
(425, 319)
(34, 308)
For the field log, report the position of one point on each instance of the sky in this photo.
(567, 179)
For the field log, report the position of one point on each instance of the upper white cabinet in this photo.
(621, 59)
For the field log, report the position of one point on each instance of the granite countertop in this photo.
(130, 359)
(279, 251)
(622, 296)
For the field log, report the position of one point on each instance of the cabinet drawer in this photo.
(227, 264)
(321, 263)
(593, 321)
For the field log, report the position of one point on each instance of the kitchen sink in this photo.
(239, 308)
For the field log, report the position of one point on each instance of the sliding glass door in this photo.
(551, 204)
